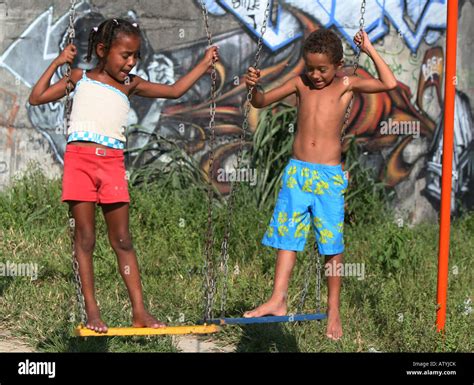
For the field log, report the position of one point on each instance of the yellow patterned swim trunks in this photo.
(312, 193)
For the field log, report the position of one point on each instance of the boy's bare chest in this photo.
(328, 99)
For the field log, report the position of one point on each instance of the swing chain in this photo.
(361, 29)
(205, 15)
(312, 262)
(210, 276)
(266, 17)
(304, 292)
(71, 34)
(71, 224)
(75, 267)
(234, 186)
(356, 67)
(210, 279)
(318, 279)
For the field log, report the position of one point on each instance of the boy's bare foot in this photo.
(94, 322)
(144, 319)
(334, 330)
(272, 307)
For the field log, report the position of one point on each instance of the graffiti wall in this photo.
(400, 130)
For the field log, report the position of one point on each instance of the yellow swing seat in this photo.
(82, 331)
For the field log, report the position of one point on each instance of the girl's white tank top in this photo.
(99, 108)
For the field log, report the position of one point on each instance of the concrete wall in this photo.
(409, 34)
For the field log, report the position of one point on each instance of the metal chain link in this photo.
(305, 290)
(233, 186)
(312, 262)
(71, 34)
(318, 278)
(356, 67)
(209, 283)
(75, 268)
(71, 222)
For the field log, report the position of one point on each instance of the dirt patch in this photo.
(10, 344)
(194, 344)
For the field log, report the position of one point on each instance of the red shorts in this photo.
(93, 174)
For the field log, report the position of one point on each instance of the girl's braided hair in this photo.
(107, 32)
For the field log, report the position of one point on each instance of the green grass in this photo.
(392, 309)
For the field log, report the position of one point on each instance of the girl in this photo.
(94, 170)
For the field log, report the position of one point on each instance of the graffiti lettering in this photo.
(429, 17)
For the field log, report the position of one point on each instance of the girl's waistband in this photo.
(91, 150)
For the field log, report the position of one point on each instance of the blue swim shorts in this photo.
(311, 193)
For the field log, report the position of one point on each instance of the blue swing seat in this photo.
(267, 319)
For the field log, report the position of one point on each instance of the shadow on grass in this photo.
(266, 338)
(88, 344)
(105, 344)
(63, 340)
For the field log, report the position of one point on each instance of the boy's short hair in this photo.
(326, 42)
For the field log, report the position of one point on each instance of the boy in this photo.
(313, 181)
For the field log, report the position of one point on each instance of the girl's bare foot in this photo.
(334, 329)
(272, 307)
(143, 319)
(94, 322)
